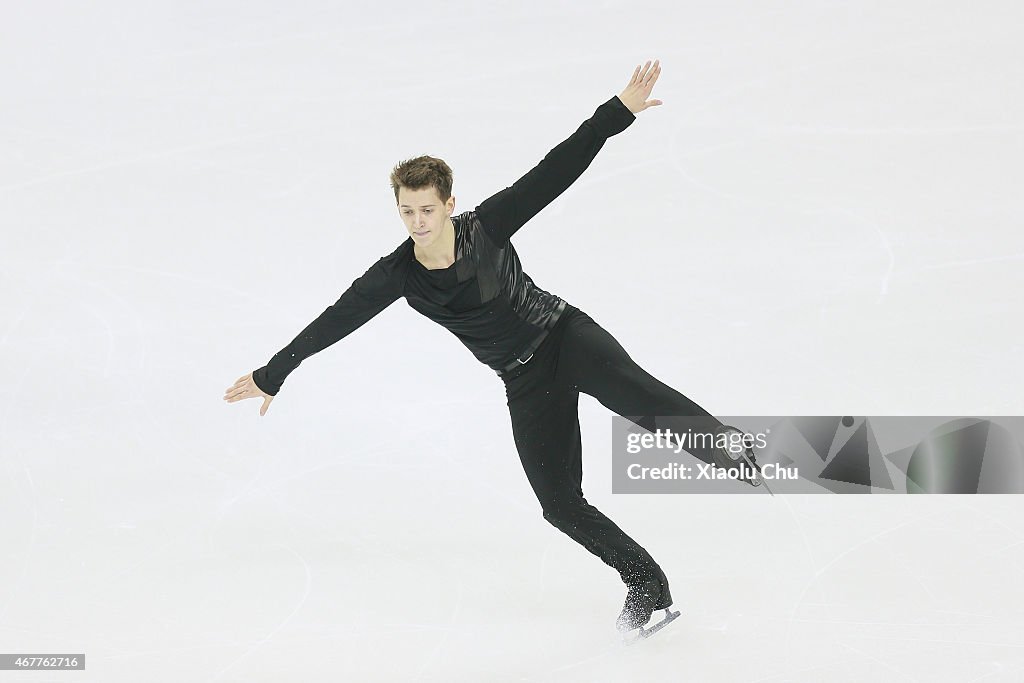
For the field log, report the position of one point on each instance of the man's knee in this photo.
(553, 515)
(564, 512)
(579, 522)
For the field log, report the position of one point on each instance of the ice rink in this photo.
(821, 219)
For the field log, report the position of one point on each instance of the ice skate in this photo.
(742, 461)
(642, 600)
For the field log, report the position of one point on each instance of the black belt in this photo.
(527, 353)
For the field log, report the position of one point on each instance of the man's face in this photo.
(423, 213)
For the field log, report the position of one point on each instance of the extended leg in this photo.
(593, 361)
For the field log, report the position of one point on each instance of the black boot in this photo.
(737, 457)
(640, 604)
(645, 594)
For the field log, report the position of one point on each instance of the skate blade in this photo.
(643, 633)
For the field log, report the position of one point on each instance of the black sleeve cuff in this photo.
(613, 117)
(259, 377)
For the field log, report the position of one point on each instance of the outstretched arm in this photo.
(508, 210)
(368, 295)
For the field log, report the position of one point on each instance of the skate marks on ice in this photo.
(613, 661)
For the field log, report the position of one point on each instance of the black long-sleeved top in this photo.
(484, 298)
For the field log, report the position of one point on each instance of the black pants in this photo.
(579, 355)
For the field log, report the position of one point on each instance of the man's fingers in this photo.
(645, 74)
(652, 74)
(239, 383)
(639, 73)
(238, 393)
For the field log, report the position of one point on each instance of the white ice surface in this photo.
(823, 218)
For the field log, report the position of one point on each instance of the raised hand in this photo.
(244, 387)
(639, 89)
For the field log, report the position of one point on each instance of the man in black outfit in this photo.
(463, 273)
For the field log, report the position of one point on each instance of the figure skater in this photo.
(462, 272)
